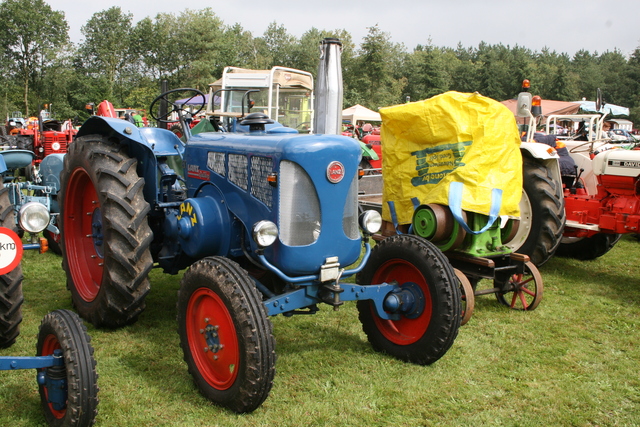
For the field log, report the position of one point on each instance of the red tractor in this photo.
(43, 136)
(602, 192)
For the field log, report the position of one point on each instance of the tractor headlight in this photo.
(33, 217)
(371, 222)
(265, 233)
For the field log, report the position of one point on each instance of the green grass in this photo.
(573, 361)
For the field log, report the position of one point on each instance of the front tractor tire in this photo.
(63, 330)
(226, 335)
(542, 215)
(11, 297)
(106, 235)
(425, 337)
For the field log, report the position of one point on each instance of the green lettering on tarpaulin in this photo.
(447, 156)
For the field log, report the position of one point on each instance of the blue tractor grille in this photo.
(350, 214)
(299, 213)
(239, 174)
(261, 168)
(215, 162)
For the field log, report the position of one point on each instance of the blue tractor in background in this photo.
(264, 220)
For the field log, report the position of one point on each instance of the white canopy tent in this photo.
(360, 113)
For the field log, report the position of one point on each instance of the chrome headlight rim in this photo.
(265, 233)
(34, 217)
(370, 221)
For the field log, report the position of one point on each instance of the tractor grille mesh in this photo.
(350, 214)
(215, 162)
(238, 170)
(261, 167)
(299, 220)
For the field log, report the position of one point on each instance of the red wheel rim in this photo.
(527, 289)
(403, 331)
(48, 346)
(81, 214)
(519, 295)
(218, 368)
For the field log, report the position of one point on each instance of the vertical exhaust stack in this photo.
(328, 102)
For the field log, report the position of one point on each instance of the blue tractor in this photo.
(264, 220)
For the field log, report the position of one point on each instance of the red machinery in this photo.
(373, 141)
(44, 136)
(615, 207)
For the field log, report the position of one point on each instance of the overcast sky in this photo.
(565, 26)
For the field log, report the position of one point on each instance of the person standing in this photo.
(137, 119)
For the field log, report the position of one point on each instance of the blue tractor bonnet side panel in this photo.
(145, 144)
(236, 163)
(50, 169)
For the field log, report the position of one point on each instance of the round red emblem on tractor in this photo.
(335, 172)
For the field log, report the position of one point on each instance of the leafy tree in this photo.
(199, 37)
(239, 48)
(106, 51)
(616, 87)
(31, 33)
(278, 46)
(125, 63)
(376, 79)
(154, 46)
(495, 78)
(585, 65)
(428, 72)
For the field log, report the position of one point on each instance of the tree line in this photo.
(124, 62)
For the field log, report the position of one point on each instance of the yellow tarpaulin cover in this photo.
(452, 137)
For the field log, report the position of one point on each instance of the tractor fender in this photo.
(161, 142)
(144, 144)
(203, 224)
(542, 155)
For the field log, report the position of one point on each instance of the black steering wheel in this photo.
(178, 108)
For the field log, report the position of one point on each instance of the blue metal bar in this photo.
(300, 298)
(9, 363)
(376, 293)
(308, 295)
(314, 277)
(359, 268)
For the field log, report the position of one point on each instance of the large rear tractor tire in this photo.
(542, 215)
(588, 248)
(225, 334)
(11, 297)
(105, 232)
(423, 337)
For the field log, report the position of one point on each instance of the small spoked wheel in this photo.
(425, 333)
(225, 334)
(467, 296)
(68, 392)
(524, 290)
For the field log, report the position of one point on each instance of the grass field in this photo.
(571, 362)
